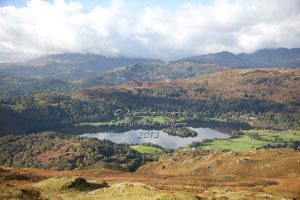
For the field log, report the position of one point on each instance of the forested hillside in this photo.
(249, 97)
(51, 150)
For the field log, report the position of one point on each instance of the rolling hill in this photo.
(278, 85)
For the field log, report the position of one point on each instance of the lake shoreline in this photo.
(160, 137)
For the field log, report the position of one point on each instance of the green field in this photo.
(242, 144)
(145, 149)
(94, 123)
(246, 143)
(217, 119)
(38, 101)
(272, 135)
(158, 119)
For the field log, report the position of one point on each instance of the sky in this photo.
(163, 29)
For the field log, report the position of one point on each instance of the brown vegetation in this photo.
(278, 85)
(259, 174)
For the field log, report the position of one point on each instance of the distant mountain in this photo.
(194, 66)
(68, 66)
(264, 58)
(66, 73)
(155, 71)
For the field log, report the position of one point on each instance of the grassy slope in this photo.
(145, 149)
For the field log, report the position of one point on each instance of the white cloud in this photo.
(238, 26)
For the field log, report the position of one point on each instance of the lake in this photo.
(163, 138)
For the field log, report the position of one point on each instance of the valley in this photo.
(149, 100)
(185, 129)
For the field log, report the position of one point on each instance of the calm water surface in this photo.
(163, 140)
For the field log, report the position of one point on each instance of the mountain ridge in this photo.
(262, 58)
(78, 71)
(68, 66)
